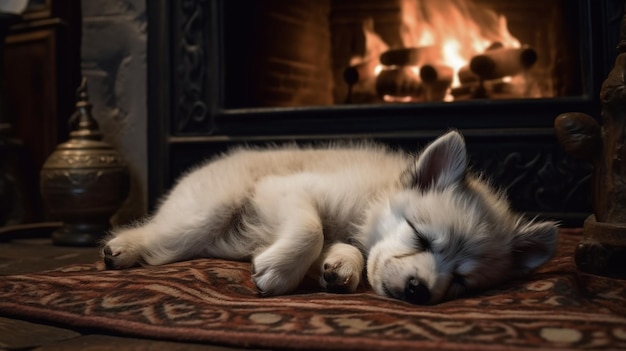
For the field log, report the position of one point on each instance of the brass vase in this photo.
(84, 181)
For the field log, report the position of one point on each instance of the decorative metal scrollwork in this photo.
(540, 180)
(192, 109)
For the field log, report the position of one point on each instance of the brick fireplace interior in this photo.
(230, 72)
(301, 53)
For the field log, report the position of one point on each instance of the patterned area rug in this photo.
(214, 301)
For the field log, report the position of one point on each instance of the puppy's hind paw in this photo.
(117, 256)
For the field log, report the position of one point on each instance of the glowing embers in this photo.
(452, 50)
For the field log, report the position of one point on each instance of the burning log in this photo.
(437, 80)
(463, 92)
(436, 91)
(398, 82)
(494, 46)
(498, 63)
(490, 89)
(503, 88)
(408, 56)
(466, 76)
(359, 78)
(359, 72)
(434, 73)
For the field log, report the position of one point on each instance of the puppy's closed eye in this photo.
(422, 242)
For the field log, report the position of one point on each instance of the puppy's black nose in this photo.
(109, 263)
(416, 292)
(330, 276)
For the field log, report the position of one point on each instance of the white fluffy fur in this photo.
(424, 229)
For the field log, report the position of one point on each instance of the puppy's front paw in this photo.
(275, 274)
(117, 254)
(342, 268)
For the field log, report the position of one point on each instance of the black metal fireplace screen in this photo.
(226, 72)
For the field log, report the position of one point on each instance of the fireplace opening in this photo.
(299, 53)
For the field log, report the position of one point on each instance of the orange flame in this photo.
(459, 28)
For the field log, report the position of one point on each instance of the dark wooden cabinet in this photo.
(41, 73)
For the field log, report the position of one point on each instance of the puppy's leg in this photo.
(341, 266)
(281, 267)
(202, 217)
(166, 238)
(298, 242)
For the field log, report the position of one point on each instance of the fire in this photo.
(459, 28)
(449, 49)
(453, 57)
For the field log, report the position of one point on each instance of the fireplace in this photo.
(299, 53)
(235, 71)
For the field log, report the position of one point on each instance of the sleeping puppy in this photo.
(422, 227)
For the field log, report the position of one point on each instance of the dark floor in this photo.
(19, 256)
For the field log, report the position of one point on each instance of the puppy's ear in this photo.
(441, 164)
(533, 245)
